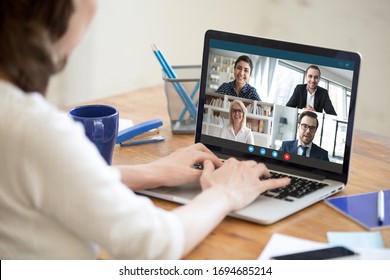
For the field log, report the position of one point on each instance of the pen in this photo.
(381, 207)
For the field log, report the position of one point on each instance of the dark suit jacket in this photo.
(321, 99)
(315, 152)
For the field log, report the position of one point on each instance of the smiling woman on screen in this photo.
(240, 87)
(236, 129)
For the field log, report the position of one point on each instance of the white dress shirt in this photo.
(310, 99)
(244, 135)
(300, 150)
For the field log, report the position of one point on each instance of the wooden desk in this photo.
(236, 239)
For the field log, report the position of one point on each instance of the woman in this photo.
(240, 87)
(58, 197)
(236, 129)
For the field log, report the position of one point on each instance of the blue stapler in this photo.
(142, 133)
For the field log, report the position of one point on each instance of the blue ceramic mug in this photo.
(101, 126)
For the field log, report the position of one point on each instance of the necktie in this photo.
(304, 150)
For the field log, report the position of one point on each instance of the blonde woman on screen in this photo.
(236, 129)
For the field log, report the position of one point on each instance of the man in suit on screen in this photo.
(310, 96)
(304, 146)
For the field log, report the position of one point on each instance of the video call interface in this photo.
(278, 82)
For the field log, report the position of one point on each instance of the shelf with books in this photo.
(221, 71)
(259, 116)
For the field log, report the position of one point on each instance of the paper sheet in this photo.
(280, 244)
(124, 123)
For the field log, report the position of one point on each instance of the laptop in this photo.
(278, 67)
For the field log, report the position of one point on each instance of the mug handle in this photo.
(98, 130)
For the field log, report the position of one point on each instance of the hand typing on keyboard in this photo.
(297, 188)
(238, 181)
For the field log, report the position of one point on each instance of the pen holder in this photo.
(182, 98)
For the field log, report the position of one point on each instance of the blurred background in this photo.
(116, 55)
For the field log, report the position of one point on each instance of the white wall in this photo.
(116, 55)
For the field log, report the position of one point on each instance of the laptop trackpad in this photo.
(182, 194)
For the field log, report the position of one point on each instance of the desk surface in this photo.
(236, 239)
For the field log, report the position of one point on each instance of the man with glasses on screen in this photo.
(310, 96)
(304, 146)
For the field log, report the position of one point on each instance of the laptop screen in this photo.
(288, 105)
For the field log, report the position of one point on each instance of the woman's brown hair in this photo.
(28, 29)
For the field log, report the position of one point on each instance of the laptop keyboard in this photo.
(297, 188)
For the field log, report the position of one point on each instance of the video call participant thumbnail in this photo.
(310, 96)
(304, 146)
(239, 86)
(236, 129)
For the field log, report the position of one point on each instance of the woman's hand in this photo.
(231, 187)
(173, 170)
(239, 181)
(178, 167)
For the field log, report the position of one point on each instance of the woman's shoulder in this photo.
(251, 88)
(250, 92)
(24, 109)
(227, 86)
(41, 124)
